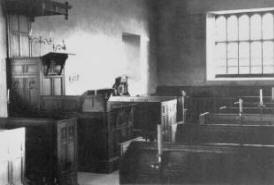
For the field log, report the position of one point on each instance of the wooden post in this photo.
(240, 107)
(159, 143)
(261, 97)
(183, 106)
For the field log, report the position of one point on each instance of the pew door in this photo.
(16, 155)
(12, 156)
(67, 151)
(4, 159)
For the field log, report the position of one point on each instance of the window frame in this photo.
(211, 43)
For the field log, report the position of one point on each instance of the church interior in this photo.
(136, 92)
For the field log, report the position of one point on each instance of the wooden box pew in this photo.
(150, 111)
(100, 136)
(101, 129)
(51, 149)
(198, 164)
(225, 133)
(12, 156)
(230, 118)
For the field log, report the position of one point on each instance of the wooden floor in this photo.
(98, 179)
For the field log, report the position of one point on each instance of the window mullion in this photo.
(226, 45)
(273, 42)
(262, 44)
(249, 37)
(238, 45)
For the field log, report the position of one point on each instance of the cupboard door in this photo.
(32, 94)
(57, 86)
(46, 87)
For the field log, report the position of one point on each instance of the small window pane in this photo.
(243, 27)
(268, 26)
(268, 69)
(232, 62)
(244, 70)
(221, 70)
(221, 28)
(268, 50)
(256, 69)
(221, 62)
(256, 51)
(220, 51)
(232, 50)
(256, 26)
(233, 70)
(232, 28)
(244, 62)
(268, 62)
(244, 50)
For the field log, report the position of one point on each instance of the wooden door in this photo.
(12, 160)
(16, 155)
(25, 93)
(25, 84)
(4, 159)
(67, 151)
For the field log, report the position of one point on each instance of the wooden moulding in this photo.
(35, 8)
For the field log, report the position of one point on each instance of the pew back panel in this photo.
(200, 164)
(225, 133)
(245, 119)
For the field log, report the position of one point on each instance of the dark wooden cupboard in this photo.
(28, 82)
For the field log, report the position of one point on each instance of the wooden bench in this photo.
(198, 164)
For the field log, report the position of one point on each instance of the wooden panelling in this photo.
(18, 36)
(51, 149)
(225, 133)
(60, 104)
(244, 119)
(100, 135)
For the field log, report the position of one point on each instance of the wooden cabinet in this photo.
(28, 82)
(51, 149)
(12, 156)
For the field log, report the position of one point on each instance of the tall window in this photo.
(242, 43)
